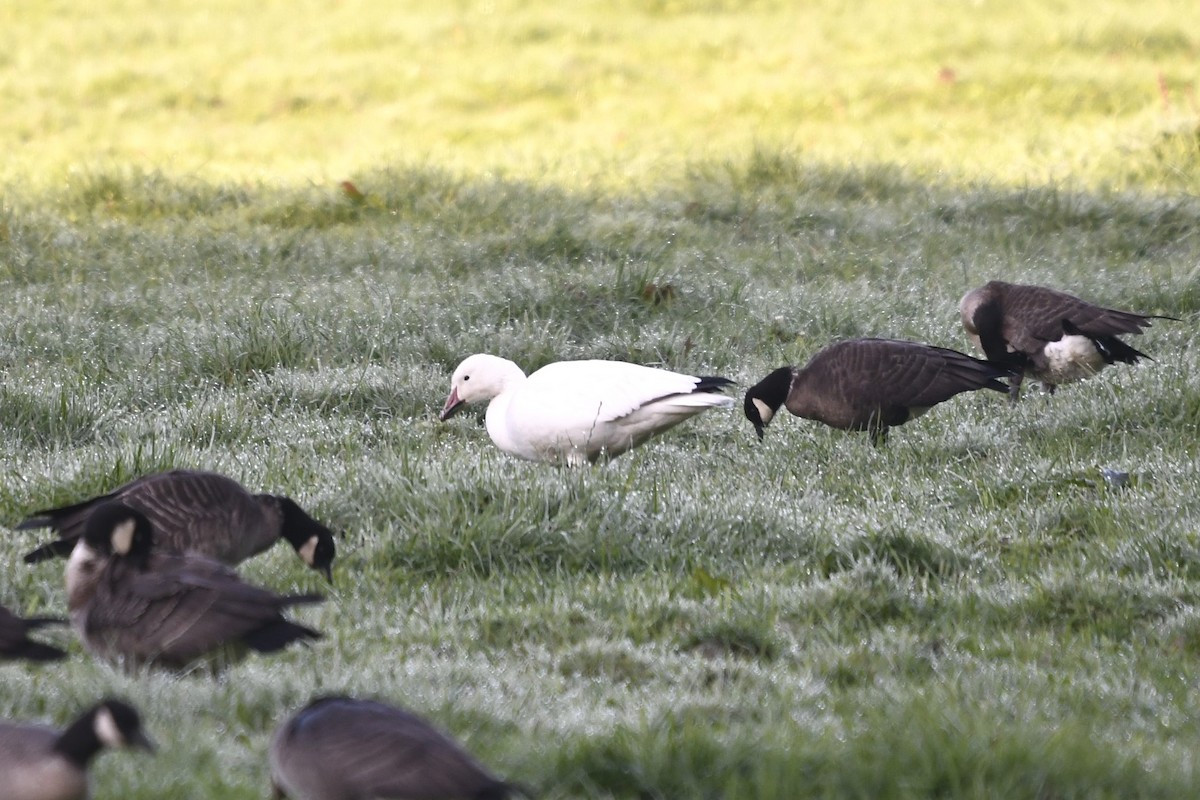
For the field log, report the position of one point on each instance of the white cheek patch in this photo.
(308, 550)
(122, 536)
(107, 730)
(765, 412)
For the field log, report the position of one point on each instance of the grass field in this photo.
(616, 92)
(969, 612)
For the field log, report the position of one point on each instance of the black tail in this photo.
(975, 373)
(712, 383)
(301, 599)
(278, 634)
(41, 519)
(1110, 347)
(32, 623)
(53, 517)
(36, 651)
(59, 548)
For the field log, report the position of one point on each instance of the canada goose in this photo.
(198, 512)
(340, 748)
(869, 384)
(15, 642)
(131, 604)
(1046, 334)
(42, 763)
(577, 412)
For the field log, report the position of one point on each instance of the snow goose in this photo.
(1051, 336)
(198, 512)
(340, 748)
(133, 605)
(42, 763)
(577, 412)
(869, 384)
(15, 641)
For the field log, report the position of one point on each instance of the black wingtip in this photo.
(712, 383)
(1111, 348)
(36, 651)
(277, 635)
(303, 599)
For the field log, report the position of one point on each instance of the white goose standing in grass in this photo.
(577, 412)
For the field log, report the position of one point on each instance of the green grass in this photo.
(600, 92)
(720, 188)
(969, 612)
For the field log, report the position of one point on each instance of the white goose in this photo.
(576, 412)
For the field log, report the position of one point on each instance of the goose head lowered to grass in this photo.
(1048, 335)
(870, 384)
(43, 763)
(578, 412)
(197, 512)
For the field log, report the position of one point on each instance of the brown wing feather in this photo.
(850, 383)
(1033, 315)
(178, 610)
(933, 375)
(201, 512)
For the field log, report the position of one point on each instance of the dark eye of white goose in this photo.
(466, 377)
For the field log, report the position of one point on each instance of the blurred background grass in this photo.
(1089, 93)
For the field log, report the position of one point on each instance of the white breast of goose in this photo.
(83, 567)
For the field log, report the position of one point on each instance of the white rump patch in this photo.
(1071, 358)
(122, 536)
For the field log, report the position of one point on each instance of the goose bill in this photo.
(453, 404)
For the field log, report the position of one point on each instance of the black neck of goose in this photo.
(296, 526)
(79, 743)
(771, 391)
(989, 322)
(140, 551)
(309, 538)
